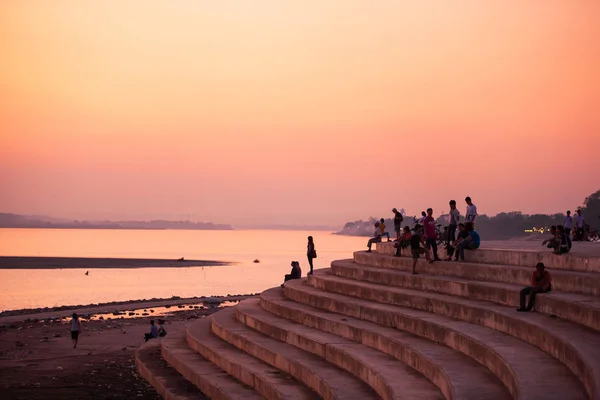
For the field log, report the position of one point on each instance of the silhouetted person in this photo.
(382, 229)
(579, 224)
(75, 329)
(375, 239)
(453, 218)
(295, 273)
(471, 210)
(162, 332)
(553, 242)
(541, 282)
(431, 234)
(462, 235)
(568, 224)
(416, 240)
(398, 218)
(153, 334)
(311, 253)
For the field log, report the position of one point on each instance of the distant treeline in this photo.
(505, 225)
(24, 221)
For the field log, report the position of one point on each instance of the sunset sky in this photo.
(296, 112)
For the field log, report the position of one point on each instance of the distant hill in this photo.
(30, 221)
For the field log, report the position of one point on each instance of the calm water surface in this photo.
(55, 287)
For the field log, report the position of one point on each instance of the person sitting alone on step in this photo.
(553, 242)
(376, 237)
(153, 334)
(295, 273)
(541, 282)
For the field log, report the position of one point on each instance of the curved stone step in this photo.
(390, 378)
(265, 379)
(581, 309)
(167, 382)
(210, 379)
(523, 368)
(562, 281)
(572, 261)
(576, 346)
(327, 380)
(456, 375)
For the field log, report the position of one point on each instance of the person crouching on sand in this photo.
(75, 329)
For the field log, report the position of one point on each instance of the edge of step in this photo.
(166, 381)
(378, 370)
(265, 379)
(504, 359)
(455, 374)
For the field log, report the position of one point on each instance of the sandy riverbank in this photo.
(38, 361)
(91, 263)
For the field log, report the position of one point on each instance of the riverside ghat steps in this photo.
(366, 328)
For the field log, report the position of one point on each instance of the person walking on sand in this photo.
(311, 253)
(430, 234)
(75, 329)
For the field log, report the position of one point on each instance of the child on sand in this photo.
(415, 247)
(75, 329)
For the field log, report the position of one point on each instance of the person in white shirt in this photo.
(376, 237)
(453, 219)
(471, 210)
(75, 329)
(579, 224)
(568, 225)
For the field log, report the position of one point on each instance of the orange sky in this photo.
(296, 111)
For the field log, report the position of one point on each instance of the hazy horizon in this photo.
(306, 113)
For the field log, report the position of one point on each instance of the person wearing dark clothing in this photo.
(564, 245)
(462, 235)
(415, 247)
(472, 242)
(430, 234)
(295, 273)
(153, 334)
(541, 282)
(398, 218)
(375, 239)
(453, 218)
(311, 253)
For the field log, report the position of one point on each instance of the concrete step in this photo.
(265, 379)
(390, 378)
(581, 309)
(167, 382)
(327, 380)
(210, 379)
(523, 368)
(576, 346)
(562, 281)
(456, 375)
(524, 258)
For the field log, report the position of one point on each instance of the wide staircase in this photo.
(366, 328)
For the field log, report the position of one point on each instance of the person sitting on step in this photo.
(461, 235)
(472, 242)
(541, 282)
(553, 242)
(376, 237)
(296, 272)
(403, 241)
(382, 229)
(153, 334)
(416, 240)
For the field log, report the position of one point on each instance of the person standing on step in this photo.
(311, 253)
(430, 234)
(471, 210)
(415, 247)
(568, 224)
(541, 282)
(580, 224)
(398, 218)
(453, 219)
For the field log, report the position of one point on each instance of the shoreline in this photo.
(26, 262)
(12, 316)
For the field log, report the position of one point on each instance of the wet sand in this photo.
(91, 263)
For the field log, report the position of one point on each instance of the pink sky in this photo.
(306, 112)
